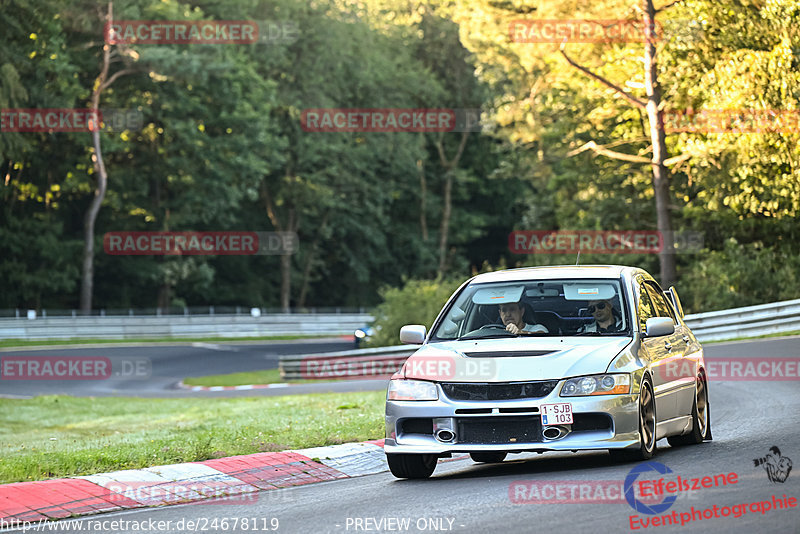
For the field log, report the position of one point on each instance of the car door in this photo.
(683, 372)
(673, 364)
(655, 351)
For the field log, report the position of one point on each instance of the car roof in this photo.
(557, 272)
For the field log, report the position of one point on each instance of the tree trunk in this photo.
(444, 229)
(286, 259)
(102, 82)
(660, 159)
(301, 300)
(286, 282)
(423, 194)
(87, 279)
(661, 185)
(449, 167)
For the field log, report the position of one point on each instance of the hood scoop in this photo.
(508, 354)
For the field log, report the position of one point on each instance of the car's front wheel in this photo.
(487, 457)
(701, 420)
(411, 465)
(647, 428)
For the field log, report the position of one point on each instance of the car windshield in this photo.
(583, 307)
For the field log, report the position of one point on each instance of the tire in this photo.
(488, 457)
(701, 419)
(647, 428)
(411, 465)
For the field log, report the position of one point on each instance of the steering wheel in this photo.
(493, 325)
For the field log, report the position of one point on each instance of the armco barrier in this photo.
(192, 326)
(749, 321)
(362, 363)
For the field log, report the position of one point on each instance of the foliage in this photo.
(416, 302)
(734, 277)
(221, 147)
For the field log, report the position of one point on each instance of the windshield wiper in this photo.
(489, 336)
(620, 333)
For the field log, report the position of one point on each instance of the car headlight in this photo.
(412, 390)
(597, 385)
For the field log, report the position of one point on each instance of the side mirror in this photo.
(412, 334)
(659, 326)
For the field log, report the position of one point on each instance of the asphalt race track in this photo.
(156, 370)
(748, 418)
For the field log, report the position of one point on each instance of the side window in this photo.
(660, 305)
(644, 308)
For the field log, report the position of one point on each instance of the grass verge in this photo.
(57, 436)
(88, 341)
(267, 376)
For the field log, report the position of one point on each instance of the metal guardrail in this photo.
(360, 363)
(138, 327)
(18, 313)
(749, 321)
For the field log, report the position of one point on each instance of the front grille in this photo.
(493, 392)
(497, 430)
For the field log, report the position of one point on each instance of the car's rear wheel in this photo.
(488, 457)
(647, 428)
(411, 465)
(701, 420)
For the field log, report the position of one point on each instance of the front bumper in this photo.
(601, 422)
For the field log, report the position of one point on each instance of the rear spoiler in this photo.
(672, 296)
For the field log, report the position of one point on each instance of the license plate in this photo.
(556, 414)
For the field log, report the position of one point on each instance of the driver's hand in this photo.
(514, 329)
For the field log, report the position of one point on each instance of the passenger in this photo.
(511, 315)
(606, 319)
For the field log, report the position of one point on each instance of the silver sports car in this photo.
(548, 359)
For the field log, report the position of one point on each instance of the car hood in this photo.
(513, 360)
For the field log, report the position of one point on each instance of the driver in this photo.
(511, 315)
